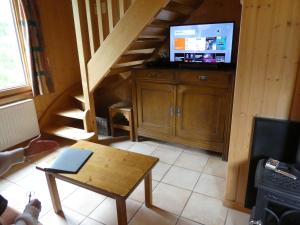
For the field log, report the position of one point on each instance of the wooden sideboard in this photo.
(190, 107)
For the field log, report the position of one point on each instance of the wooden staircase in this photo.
(135, 31)
(68, 121)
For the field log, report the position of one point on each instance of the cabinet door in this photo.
(201, 113)
(155, 106)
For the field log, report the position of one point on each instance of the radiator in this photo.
(18, 123)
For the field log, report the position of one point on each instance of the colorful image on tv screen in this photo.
(203, 43)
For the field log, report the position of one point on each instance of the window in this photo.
(12, 73)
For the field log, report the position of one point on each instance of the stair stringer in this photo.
(138, 16)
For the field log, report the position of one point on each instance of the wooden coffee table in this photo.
(110, 172)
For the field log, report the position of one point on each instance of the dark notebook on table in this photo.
(70, 160)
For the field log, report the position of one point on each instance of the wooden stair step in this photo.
(161, 23)
(72, 113)
(154, 30)
(188, 2)
(128, 64)
(145, 51)
(119, 70)
(131, 58)
(153, 37)
(142, 44)
(182, 9)
(69, 133)
(79, 97)
(167, 15)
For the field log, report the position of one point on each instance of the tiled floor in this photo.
(188, 187)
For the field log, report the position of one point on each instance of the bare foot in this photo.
(38, 146)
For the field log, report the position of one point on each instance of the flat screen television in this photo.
(202, 43)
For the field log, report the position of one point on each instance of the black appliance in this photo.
(278, 197)
(272, 138)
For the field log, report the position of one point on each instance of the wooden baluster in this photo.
(90, 26)
(110, 15)
(121, 8)
(100, 21)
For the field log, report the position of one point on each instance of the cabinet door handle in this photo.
(171, 111)
(178, 112)
(204, 78)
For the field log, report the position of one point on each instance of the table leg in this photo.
(148, 190)
(53, 192)
(121, 211)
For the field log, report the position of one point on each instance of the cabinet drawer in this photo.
(208, 78)
(154, 75)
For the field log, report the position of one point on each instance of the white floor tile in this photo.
(152, 143)
(83, 201)
(46, 207)
(4, 184)
(68, 217)
(237, 218)
(183, 221)
(160, 170)
(36, 183)
(172, 146)
(215, 166)
(19, 171)
(205, 210)
(197, 151)
(166, 155)
(139, 193)
(153, 216)
(89, 221)
(106, 212)
(142, 148)
(211, 185)
(181, 177)
(170, 198)
(192, 161)
(65, 188)
(123, 145)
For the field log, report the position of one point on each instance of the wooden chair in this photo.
(125, 111)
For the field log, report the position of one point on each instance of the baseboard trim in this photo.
(236, 206)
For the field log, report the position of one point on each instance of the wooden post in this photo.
(121, 211)
(53, 192)
(148, 189)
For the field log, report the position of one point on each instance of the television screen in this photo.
(201, 43)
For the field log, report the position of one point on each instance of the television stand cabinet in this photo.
(190, 107)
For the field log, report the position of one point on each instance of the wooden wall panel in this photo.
(60, 44)
(268, 61)
(295, 112)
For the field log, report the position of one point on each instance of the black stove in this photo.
(278, 196)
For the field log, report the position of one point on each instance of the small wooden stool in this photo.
(127, 113)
